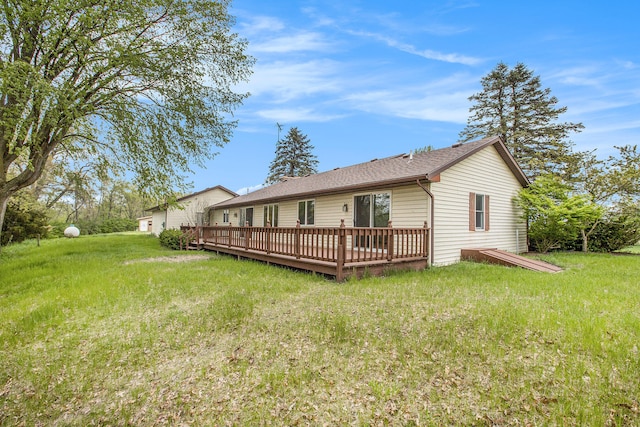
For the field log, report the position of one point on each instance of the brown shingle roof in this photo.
(379, 172)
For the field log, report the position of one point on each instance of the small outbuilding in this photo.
(145, 223)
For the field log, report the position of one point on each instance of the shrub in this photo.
(25, 218)
(171, 239)
(615, 233)
(116, 225)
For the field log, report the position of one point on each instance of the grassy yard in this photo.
(114, 330)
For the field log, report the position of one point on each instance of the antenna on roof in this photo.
(279, 129)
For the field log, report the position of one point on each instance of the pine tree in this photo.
(294, 157)
(514, 105)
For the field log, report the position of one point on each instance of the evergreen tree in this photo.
(294, 157)
(514, 105)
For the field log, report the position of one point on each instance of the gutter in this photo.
(432, 210)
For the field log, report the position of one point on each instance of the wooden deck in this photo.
(339, 251)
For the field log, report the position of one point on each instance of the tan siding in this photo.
(158, 218)
(288, 213)
(328, 210)
(192, 205)
(409, 206)
(484, 173)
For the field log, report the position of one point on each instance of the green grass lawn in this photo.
(113, 330)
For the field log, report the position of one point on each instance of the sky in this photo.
(372, 79)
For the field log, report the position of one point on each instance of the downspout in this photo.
(431, 235)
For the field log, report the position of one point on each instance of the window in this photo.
(306, 212)
(271, 215)
(478, 212)
(225, 215)
(246, 217)
(371, 210)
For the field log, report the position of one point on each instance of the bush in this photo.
(25, 218)
(616, 233)
(116, 225)
(171, 239)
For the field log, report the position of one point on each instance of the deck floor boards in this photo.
(497, 256)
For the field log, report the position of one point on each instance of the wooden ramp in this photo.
(496, 256)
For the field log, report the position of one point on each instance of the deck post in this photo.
(425, 241)
(268, 232)
(229, 237)
(297, 242)
(389, 241)
(341, 252)
(247, 236)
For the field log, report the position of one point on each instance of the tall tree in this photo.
(294, 157)
(147, 84)
(555, 215)
(514, 105)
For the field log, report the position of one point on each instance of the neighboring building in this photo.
(145, 223)
(192, 209)
(464, 193)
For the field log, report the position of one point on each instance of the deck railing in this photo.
(341, 245)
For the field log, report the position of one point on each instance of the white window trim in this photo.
(306, 205)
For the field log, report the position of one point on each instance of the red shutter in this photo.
(486, 213)
(472, 211)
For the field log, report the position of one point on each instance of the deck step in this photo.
(496, 256)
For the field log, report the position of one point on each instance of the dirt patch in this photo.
(178, 258)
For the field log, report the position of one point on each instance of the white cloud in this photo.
(285, 81)
(250, 189)
(260, 24)
(414, 104)
(454, 58)
(445, 99)
(303, 41)
(292, 115)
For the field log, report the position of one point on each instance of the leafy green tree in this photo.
(609, 180)
(614, 184)
(146, 84)
(294, 157)
(25, 218)
(555, 217)
(514, 105)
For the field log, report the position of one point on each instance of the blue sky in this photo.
(370, 79)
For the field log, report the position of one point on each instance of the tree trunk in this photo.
(585, 241)
(4, 201)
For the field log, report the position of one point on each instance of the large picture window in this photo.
(372, 210)
(306, 212)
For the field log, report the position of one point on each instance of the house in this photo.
(145, 223)
(463, 194)
(191, 209)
